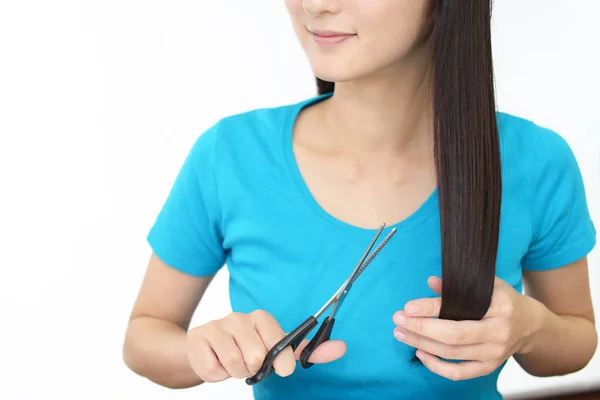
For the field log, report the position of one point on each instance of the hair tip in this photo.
(415, 362)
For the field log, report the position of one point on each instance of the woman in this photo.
(404, 131)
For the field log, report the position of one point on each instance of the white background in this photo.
(101, 100)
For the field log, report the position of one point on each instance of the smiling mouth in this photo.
(330, 38)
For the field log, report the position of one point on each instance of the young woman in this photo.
(403, 131)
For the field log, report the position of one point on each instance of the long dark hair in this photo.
(467, 154)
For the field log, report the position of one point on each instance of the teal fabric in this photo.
(240, 201)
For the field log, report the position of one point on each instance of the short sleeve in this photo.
(562, 229)
(186, 234)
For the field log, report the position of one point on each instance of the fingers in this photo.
(229, 354)
(475, 352)
(237, 345)
(205, 362)
(455, 371)
(446, 331)
(435, 284)
(328, 351)
(426, 307)
(270, 332)
(248, 340)
(431, 307)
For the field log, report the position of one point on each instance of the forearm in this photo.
(156, 350)
(559, 345)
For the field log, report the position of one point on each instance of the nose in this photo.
(315, 8)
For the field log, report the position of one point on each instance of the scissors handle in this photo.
(294, 338)
(322, 335)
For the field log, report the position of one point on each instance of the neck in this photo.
(384, 114)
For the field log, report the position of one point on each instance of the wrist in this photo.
(536, 317)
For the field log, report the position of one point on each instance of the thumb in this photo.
(328, 351)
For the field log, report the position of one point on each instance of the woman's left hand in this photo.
(483, 345)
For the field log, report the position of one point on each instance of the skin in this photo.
(160, 346)
(370, 144)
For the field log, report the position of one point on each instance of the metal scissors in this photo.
(295, 337)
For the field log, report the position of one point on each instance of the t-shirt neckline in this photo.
(421, 214)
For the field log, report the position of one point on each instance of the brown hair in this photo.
(467, 154)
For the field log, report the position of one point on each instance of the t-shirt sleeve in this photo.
(186, 234)
(562, 229)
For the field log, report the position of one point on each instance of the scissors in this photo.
(295, 337)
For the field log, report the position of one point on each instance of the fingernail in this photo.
(412, 309)
(399, 319)
(399, 334)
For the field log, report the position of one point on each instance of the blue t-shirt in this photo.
(240, 200)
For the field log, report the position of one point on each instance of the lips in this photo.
(331, 33)
(330, 37)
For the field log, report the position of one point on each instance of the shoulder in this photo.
(252, 138)
(537, 146)
(528, 133)
(256, 125)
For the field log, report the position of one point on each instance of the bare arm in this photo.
(160, 346)
(566, 339)
(155, 342)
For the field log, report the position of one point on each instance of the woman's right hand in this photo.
(236, 346)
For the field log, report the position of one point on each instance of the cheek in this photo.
(401, 18)
(390, 29)
(294, 7)
(390, 41)
(296, 13)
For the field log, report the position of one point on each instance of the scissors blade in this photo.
(342, 296)
(364, 265)
(362, 259)
(332, 300)
(338, 298)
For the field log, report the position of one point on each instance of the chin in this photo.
(332, 71)
(335, 76)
